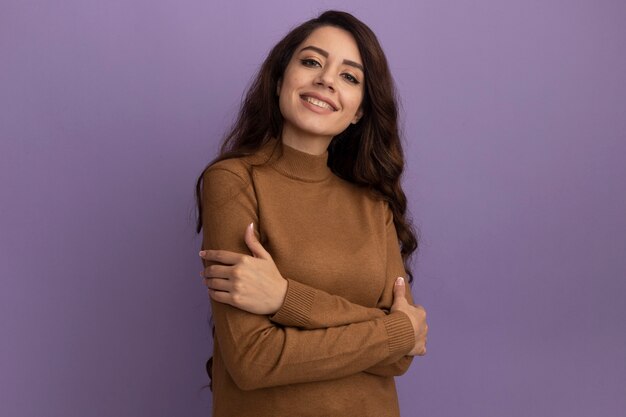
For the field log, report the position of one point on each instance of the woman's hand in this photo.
(251, 283)
(416, 313)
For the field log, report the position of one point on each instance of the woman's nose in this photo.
(325, 79)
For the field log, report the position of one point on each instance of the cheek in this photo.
(288, 87)
(287, 101)
(353, 102)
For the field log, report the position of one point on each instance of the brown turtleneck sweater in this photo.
(333, 348)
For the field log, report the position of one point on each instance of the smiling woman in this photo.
(305, 237)
(321, 92)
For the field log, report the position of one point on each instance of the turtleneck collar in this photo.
(297, 164)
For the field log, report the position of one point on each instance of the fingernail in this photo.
(202, 253)
(400, 281)
(251, 226)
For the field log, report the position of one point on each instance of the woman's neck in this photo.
(305, 142)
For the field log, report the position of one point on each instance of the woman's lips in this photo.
(318, 101)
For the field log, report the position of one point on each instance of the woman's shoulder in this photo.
(240, 166)
(225, 180)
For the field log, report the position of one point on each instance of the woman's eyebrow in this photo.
(325, 55)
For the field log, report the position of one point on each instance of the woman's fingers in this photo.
(258, 251)
(416, 313)
(221, 256)
(220, 296)
(399, 289)
(250, 283)
(399, 294)
(218, 271)
(218, 284)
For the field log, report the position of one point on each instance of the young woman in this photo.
(305, 239)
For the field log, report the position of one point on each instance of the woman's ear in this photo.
(357, 116)
(278, 85)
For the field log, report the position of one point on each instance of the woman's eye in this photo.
(308, 62)
(351, 78)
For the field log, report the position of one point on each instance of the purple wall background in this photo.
(515, 120)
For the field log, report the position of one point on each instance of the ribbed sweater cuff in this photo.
(400, 332)
(297, 305)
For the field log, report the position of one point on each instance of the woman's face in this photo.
(321, 91)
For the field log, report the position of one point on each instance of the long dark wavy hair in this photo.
(368, 153)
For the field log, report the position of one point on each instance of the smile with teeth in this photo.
(318, 103)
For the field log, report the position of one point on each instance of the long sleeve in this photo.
(310, 308)
(259, 353)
